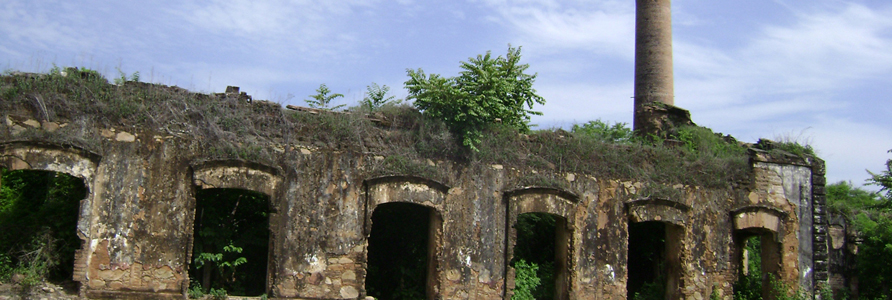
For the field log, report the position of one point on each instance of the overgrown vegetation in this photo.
(487, 91)
(534, 256)
(749, 277)
(871, 215)
(323, 98)
(221, 127)
(230, 249)
(376, 97)
(38, 225)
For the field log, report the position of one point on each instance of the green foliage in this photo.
(323, 99)
(122, 78)
(782, 291)
(703, 140)
(534, 255)
(195, 291)
(226, 267)
(600, 130)
(376, 96)
(844, 198)
(526, 280)
(652, 290)
(38, 221)
(487, 91)
(218, 294)
(231, 241)
(871, 214)
(883, 180)
(749, 285)
(873, 263)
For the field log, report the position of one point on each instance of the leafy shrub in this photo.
(488, 90)
(323, 99)
(600, 130)
(376, 96)
(526, 280)
(218, 294)
(195, 291)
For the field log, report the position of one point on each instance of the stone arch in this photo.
(237, 174)
(656, 209)
(759, 217)
(556, 202)
(66, 159)
(243, 175)
(670, 217)
(418, 191)
(767, 224)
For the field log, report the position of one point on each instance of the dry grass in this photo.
(226, 127)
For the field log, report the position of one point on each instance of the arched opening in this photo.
(401, 252)
(39, 212)
(758, 259)
(231, 242)
(540, 256)
(654, 261)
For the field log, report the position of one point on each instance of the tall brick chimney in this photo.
(653, 68)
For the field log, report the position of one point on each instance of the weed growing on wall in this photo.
(222, 127)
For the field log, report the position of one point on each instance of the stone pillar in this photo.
(653, 54)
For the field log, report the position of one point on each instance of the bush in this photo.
(526, 280)
(597, 129)
(488, 91)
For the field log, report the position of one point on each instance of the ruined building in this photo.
(136, 222)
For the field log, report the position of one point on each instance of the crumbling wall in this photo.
(137, 221)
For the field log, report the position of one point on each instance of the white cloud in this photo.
(606, 27)
(21, 23)
(821, 52)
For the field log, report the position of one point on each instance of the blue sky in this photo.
(817, 71)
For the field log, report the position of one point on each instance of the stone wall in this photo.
(136, 222)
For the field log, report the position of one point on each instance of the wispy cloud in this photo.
(606, 27)
(821, 52)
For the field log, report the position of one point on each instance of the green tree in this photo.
(488, 90)
(376, 96)
(871, 214)
(323, 99)
(884, 180)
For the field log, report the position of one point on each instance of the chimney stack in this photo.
(653, 57)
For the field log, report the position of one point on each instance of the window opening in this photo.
(231, 242)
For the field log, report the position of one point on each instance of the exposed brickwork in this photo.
(137, 220)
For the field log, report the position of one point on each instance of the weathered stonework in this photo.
(136, 221)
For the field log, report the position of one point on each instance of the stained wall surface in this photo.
(136, 222)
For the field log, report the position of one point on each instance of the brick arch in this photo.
(70, 160)
(656, 209)
(552, 201)
(419, 191)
